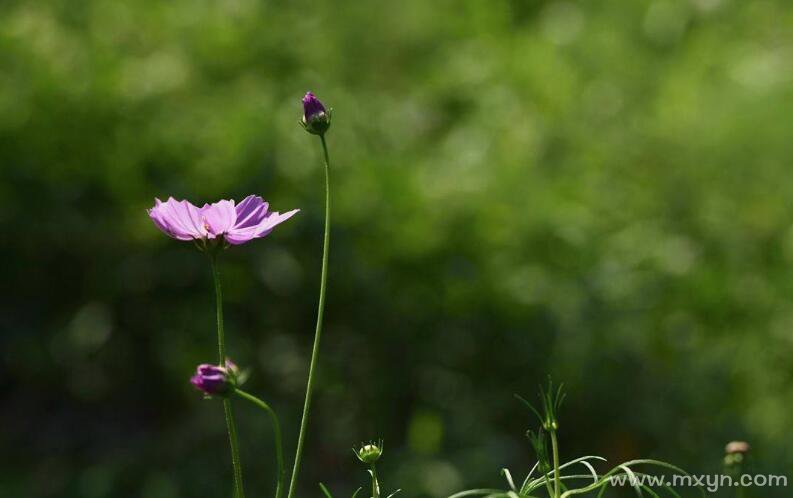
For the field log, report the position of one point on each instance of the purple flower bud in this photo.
(311, 106)
(316, 119)
(214, 380)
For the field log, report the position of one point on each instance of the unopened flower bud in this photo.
(369, 452)
(214, 380)
(735, 453)
(737, 447)
(316, 119)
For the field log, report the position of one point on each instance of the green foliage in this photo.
(551, 475)
(551, 403)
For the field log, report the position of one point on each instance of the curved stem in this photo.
(318, 332)
(229, 414)
(279, 452)
(555, 449)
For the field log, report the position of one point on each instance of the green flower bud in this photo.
(370, 452)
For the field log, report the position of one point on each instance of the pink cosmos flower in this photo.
(234, 223)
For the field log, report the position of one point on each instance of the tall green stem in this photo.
(279, 452)
(230, 426)
(375, 483)
(219, 306)
(555, 449)
(235, 449)
(318, 331)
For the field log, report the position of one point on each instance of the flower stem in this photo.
(318, 331)
(555, 449)
(279, 452)
(235, 450)
(230, 426)
(548, 486)
(375, 483)
(219, 305)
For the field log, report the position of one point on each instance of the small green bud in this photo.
(370, 452)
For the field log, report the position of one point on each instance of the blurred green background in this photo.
(600, 191)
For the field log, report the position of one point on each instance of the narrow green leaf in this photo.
(325, 490)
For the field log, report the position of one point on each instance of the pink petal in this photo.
(219, 217)
(250, 211)
(176, 218)
(264, 227)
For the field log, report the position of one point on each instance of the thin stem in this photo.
(235, 448)
(318, 331)
(219, 305)
(279, 452)
(375, 484)
(739, 492)
(229, 414)
(550, 489)
(555, 449)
